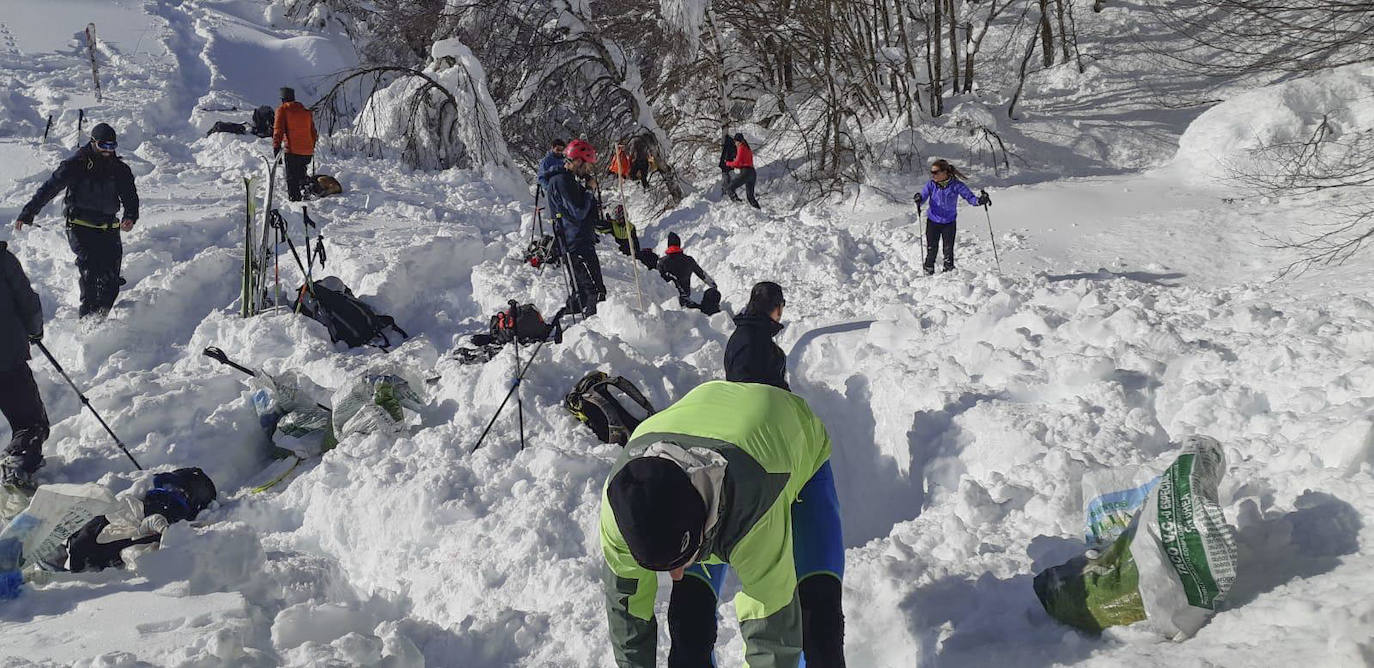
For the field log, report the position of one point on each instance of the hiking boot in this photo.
(14, 475)
(929, 270)
(948, 268)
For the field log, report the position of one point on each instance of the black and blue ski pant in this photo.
(938, 234)
(99, 252)
(296, 177)
(818, 554)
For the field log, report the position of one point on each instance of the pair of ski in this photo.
(261, 243)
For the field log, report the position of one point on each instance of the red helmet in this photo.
(579, 149)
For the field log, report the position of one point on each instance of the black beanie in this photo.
(288, 94)
(659, 512)
(673, 240)
(102, 132)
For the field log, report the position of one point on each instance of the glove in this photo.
(154, 523)
(917, 199)
(712, 284)
(35, 338)
(983, 199)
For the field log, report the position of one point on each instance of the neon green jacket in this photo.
(772, 444)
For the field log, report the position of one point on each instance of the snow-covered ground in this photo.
(1131, 310)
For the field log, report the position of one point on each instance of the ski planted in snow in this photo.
(90, 50)
(246, 305)
(264, 240)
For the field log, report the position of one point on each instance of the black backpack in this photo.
(348, 319)
(180, 494)
(710, 301)
(263, 119)
(522, 322)
(542, 251)
(226, 126)
(593, 403)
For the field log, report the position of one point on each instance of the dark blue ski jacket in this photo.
(21, 313)
(943, 200)
(546, 167)
(573, 208)
(96, 188)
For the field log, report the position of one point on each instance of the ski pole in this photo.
(47, 128)
(557, 319)
(630, 237)
(519, 399)
(219, 356)
(87, 402)
(991, 236)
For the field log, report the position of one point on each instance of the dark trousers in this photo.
(98, 255)
(23, 407)
(725, 180)
(296, 178)
(588, 284)
(746, 177)
(817, 554)
(937, 234)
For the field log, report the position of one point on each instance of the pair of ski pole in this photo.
(983, 195)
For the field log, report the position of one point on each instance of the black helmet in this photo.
(288, 94)
(102, 132)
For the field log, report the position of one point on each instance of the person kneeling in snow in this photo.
(678, 268)
(732, 474)
(140, 516)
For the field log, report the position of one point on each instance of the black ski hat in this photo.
(674, 240)
(288, 94)
(659, 512)
(102, 132)
(739, 136)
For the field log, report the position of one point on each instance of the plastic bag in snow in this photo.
(55, 513)
(375, 403)
(306, 432)
(1111, 500)
(1171, 567)
(275, 396)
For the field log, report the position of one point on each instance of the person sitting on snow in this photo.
(733, 474)
(141, 514)
(678, 267)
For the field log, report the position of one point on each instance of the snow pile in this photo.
(1227, 139)
(964, 407)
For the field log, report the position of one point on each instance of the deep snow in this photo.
(1132, 309)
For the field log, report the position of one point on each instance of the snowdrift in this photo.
(964, 407)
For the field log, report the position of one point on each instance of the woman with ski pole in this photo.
(942, 193)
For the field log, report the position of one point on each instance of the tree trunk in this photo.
(1021, 77)
(1063, 30)
(1046, 34)
(937, 81)
(953, 45)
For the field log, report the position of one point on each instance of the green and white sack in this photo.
(306, 432)
(375, 403)
(1171, 568)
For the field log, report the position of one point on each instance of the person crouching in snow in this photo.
(141, 514)
(678, 267)
(942, 192)
(733, 474)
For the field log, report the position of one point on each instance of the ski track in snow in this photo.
(964, 407)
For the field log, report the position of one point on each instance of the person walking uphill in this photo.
(575, 212)
(750, 355)
(97, 183)
(678, 268)
(942, 193)
(733, 474)
(21, 321)
(744, 162)
(294, 128)
(727, 155)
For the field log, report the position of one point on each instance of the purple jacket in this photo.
(944, 200)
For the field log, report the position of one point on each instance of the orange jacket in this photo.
(296, 124)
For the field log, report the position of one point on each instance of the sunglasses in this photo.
(106, 145)
(937, 171)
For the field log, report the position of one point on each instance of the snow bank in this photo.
(1225, 138)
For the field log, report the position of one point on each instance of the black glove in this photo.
(983, 199)
(35, 338)
(917, 199)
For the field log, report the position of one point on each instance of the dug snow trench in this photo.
(964, 407)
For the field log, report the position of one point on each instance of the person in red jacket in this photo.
(294, 126)
(744, 162)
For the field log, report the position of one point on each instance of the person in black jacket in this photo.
(750, 355)
(678, 267)
(21, 321)
(97, 184)
(727, 155)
